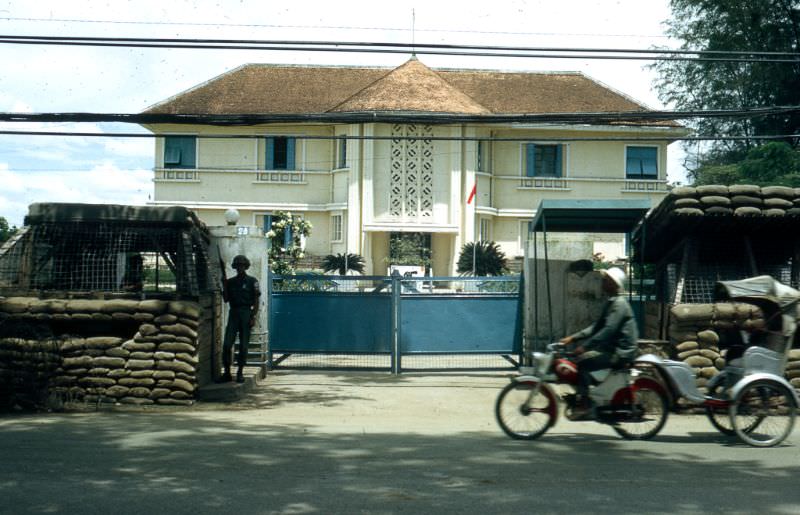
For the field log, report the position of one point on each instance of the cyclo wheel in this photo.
(763, 413)
(526, 409)
(650, 411)
(720, 418)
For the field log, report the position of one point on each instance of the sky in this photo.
(38, 78)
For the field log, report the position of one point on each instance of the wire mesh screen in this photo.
(710, 260)
(106, 257)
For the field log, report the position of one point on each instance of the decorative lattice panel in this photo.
(411, 169)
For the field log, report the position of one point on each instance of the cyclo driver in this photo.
(609, 342)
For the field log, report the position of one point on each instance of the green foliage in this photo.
(774, 163)
(307, 281)
(486, 257)
(729, 25)
(341, 263)
(6, 232)
(409, 249)
(284, 258)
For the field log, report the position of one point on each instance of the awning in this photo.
(614, 216)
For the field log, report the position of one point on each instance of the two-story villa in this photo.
(371, 154)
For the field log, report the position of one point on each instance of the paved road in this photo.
(372, 443)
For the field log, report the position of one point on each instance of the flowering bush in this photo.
(285, 237)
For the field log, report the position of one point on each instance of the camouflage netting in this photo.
(43, 354)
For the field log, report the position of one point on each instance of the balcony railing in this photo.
(281, 176)
(176, 174)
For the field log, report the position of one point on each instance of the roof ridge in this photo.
(427, 70)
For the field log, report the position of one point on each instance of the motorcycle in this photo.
(634, 403)
(750, 398)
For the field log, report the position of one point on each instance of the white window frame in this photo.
(625, 163)
(565, 150)
(164, 137)
(484, 229)
(334, 228)
(341, 151)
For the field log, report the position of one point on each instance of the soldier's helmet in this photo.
(241, 260)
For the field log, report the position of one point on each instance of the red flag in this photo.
(472, 193)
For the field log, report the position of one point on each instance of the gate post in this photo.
(395, 324)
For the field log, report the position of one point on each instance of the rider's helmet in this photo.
(617, 275)
(566, 370)
(241, 260)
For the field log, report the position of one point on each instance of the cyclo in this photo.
(749, 398)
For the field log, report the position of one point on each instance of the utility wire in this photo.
(404, 48)
(327, 27)
(665, 137)
(630, 117)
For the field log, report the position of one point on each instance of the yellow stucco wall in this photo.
(592, 170)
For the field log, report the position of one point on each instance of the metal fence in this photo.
(394, 323)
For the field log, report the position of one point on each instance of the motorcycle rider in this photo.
(609, 342)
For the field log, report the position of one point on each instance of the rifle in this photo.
(224, 275)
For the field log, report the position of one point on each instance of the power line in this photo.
(743, 56)
(665, 137)
(328, 27)
(610, 117)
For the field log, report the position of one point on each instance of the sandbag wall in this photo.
(148, 356)
(699, 333)
(740, 200)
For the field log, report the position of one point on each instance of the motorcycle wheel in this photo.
(525, 412)
(763, 413)
(649, 415)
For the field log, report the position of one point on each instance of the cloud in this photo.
(103, 184)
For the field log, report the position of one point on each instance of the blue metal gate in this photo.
(394, 322)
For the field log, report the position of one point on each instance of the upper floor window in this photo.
(483, 159)
(180, 152)
(280, 153)
(543, 160)
(341, 152)
(641, 162)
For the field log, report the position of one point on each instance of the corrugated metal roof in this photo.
(614, 216)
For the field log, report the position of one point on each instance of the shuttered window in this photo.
(180, 152)
(641, 162)
(280, 153)
(543, 160)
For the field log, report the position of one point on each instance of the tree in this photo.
(695, 84)
(482, 258)
(341, 263)
(6, 232)
(772, 163)
(285, 237)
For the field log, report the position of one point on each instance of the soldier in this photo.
(242, 293)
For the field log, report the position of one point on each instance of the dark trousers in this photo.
(589, 362)
(238, 323)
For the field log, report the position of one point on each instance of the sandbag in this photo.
(708, 337)
(745, 189)
(713, 200)
(777, 191)
(712, 190)
(687, 202)
(688, 211)
(745, 201)
(777, 203)
(719, 210)
(747, 211)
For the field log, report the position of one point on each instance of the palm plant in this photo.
(482, 258)
(342, 263)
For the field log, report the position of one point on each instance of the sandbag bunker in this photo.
(157, 364)
(106, 304)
